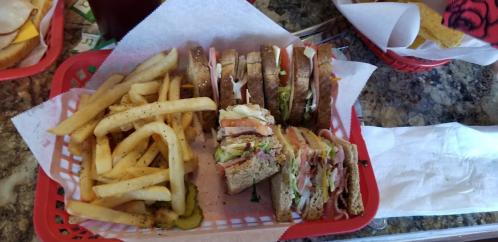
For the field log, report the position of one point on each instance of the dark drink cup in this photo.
(117, 17)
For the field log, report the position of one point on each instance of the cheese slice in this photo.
(26, 32)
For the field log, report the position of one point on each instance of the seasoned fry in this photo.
(136, 98)
(146, 64)
(103, 157)
(176, 166)
(163, 147)
(120, 187)
(177, 126)
(91, 211)
(173, 94)
(86, 130)
(91, 110)
(136, 171)
(122, 107)
(187, 118)
(131, 158)
(147, 88)
(147, 110)
(151, 98)
(125, 100)
(136, 207)
(190, 133)
(93, 142)
(149, 155)
(76, 148)
(156, 193)
(86, 182)
(163, 96)
(108, 84)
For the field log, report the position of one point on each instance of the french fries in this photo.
(136, 207)
(187, 118)
(76, 148)
(147, 88)
(122, 107)
(84, 131)
(136, 171)
(149, 155)
(123, 168)
(119, 169)
(151, 109)
(103, 156)
(91, 110)
(174, 159)
(113, 189)
(146, 64)
(108, 84)
(90, 211)
(163, 96)
(190, 133)
(86, 182)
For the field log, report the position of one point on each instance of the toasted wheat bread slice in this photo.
(198, 75)
(302, 73)
(325, 82)
(271, 80)
(353, 195)
(255, 79)
(240, 177)
(229, 62)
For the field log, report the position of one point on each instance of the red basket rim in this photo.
(55, 47)
(419, 64)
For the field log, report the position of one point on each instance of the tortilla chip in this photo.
(417, 42)
(431, 28)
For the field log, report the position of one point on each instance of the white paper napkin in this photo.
(394, 26)
(434, 170)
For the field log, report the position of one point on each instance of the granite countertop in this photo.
(458, 91)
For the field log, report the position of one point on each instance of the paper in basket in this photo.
(394, 26)
(184, 25)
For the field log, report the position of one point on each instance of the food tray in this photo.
(54, 40)
(51, 220)
(408, 64)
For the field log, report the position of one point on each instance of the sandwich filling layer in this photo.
(245, 119)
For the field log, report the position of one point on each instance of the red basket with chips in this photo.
(54, 40)
(408, 64)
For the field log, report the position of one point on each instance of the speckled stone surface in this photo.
(458, 91)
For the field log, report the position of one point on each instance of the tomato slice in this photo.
(221, 170)
(284, 66)
(292, 137)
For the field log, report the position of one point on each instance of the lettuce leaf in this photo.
(222, 155)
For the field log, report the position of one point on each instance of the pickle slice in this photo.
(167, 225)
(191, 222)
(190, 201)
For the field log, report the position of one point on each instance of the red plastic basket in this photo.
(54, 40)
(408, 64)
(51, 220)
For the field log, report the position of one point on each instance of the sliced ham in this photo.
(316, 77)
(214, 77)
(223, 166)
